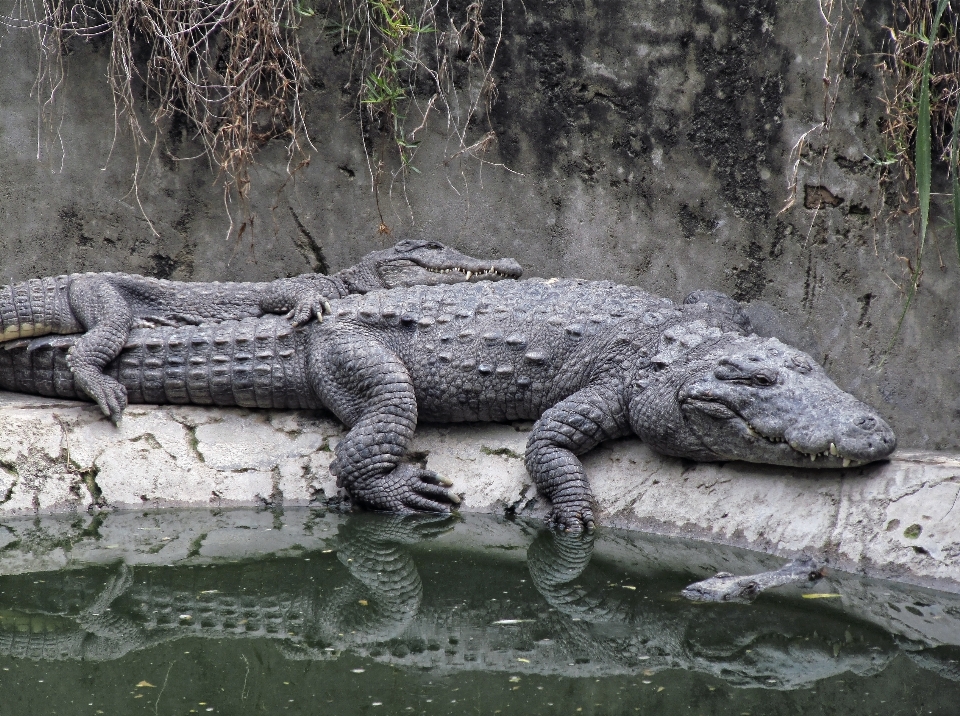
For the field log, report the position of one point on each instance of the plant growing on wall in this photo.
(232, 71)
(413, 62)
(922, 125)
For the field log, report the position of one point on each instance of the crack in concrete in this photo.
(8, 495)
(193, 442)
(309, 244)
(96, 492)
(955, 499)
(196, 544)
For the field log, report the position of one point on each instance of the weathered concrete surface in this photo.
(897, 519)
(644, 142)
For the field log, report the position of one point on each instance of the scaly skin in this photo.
(726, 587)
(107, 305)
(588, 361)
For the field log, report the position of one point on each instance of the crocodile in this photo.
(107, 305)
(726, 587)
(588, 361)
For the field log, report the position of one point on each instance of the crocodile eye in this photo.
(405, 245)
(433, 245)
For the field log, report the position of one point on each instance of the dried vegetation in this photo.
(232, 73)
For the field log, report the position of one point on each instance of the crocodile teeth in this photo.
(833, 450)
(846, 462)
(469, 274)
(751, 432)
(813, 458)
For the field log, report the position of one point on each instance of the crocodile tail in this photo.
(35, 308)
(254, 363)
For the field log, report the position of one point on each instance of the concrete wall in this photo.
(894, 519)
(642, 141)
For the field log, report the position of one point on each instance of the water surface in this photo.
(241, 612)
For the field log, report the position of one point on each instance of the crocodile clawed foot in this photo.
(110, 395)
(307, 308)
(301, 313)
(412, 488)
(572, 519)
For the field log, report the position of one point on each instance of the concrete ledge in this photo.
(899, 519)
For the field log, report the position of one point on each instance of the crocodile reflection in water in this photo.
(376, 608)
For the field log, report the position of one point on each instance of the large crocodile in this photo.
(108, 305)
(589, 361)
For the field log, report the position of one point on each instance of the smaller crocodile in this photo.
(106, 306)
(726, 587)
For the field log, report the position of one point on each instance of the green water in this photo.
(322, 614)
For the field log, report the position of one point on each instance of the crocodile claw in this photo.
(110, 395)
(408, 488)
(308, 306)
(571, 518)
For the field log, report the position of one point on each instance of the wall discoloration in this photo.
(651, 144)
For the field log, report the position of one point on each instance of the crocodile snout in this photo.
(867, 437)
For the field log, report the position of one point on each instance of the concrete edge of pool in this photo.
(898, 520)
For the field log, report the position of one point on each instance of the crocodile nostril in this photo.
(866, 422)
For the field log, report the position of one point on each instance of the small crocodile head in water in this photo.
(735, 397)
(425, 263)
(726, 587)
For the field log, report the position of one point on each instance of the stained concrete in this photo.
(895, 519)
(640, 141)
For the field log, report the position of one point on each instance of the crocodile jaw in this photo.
(759, 400)
(406, 272)
(824, 436)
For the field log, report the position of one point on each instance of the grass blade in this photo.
(954, 178)
(922, 164)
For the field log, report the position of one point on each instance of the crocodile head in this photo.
(709, 395)
(726, 587)
(424, 263)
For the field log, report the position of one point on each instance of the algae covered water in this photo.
(243, 612)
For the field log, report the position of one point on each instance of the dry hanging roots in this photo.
(231, 71)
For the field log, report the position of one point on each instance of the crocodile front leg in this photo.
(302, 298)
(570, 428)
(101, 310)
(367, 386)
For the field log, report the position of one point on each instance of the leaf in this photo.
(819, 595)
(922, 162)
(145, 684)
(954, 178)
